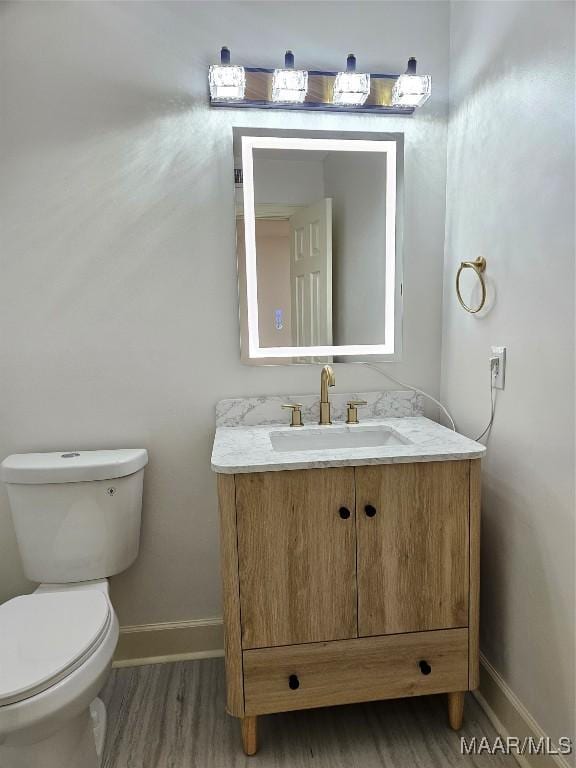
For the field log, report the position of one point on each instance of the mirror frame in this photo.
(391, 144)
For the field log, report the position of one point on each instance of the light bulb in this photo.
(410, 89)
(227, 81)
(351, 88)
(289, 85)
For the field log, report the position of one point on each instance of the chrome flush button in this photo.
(68, 455)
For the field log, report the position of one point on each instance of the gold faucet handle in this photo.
(352, 417)
(296, 414)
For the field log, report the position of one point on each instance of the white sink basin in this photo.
(333, 438)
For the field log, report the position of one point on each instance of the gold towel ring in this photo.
(478, 265)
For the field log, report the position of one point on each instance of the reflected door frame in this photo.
(269, 212)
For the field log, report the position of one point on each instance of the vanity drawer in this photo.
(348, 671)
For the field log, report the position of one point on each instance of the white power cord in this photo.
(494, 367)
(415, 389)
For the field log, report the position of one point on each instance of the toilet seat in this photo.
(44, 637)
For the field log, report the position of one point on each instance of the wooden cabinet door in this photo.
(297, 556)
(413, 541)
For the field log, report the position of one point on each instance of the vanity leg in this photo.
(250, 734)
(456, 709)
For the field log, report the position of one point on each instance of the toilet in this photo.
(77, 520)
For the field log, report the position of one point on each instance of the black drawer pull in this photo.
(370, 510)
(425, 668)
(344, 513)
(293, 682)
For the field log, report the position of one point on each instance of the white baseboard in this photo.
(510, 717)
(169, 641)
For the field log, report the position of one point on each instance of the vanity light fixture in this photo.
(289, 85)
(410, 89)
(351, 88)
(227, 81)
(316, 90)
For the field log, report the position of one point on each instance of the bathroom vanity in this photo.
(350, 573)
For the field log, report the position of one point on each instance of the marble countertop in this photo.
(248, 448)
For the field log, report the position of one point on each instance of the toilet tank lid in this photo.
(72, 466)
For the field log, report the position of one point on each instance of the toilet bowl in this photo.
(56, 646)
(77, 521)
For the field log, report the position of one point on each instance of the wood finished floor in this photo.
(172, 716)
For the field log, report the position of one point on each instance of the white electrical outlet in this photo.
(499, 377)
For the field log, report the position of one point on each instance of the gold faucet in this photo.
(327, 379)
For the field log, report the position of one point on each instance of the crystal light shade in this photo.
(351, 88)
(411, 90)
(227, 82)
(289, 85)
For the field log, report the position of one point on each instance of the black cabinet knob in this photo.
(425, 668)
(370, 510)
(344, 513)
(293, 682)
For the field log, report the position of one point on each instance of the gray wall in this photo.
(357, 185)
(289, 182)
(118, 298)
(511, 199)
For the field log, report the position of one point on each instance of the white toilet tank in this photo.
(77, 514)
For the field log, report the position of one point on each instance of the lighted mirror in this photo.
(318, 244)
